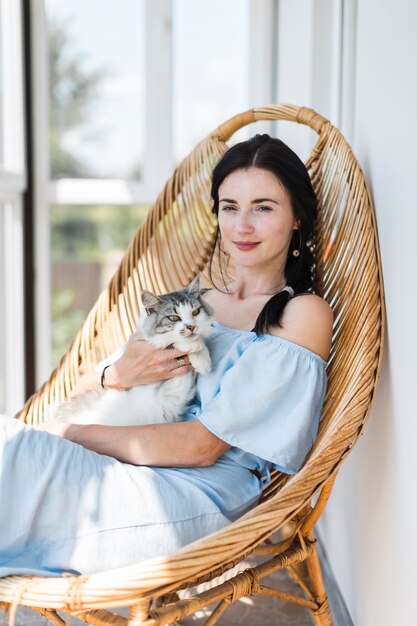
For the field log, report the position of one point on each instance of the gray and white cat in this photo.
(181, 319)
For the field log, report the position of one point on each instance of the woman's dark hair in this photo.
(265, 152)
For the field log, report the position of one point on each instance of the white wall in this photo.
(356, 63)
(370, 522)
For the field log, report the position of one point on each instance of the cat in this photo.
(181, 319)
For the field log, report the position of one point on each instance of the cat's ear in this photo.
(194, 285)
(151, 302)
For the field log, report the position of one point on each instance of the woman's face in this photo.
(256, 219)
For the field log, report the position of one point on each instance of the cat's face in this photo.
(178, 316)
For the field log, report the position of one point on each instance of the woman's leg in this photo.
(66, 508)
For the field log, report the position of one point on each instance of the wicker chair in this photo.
(167, 251)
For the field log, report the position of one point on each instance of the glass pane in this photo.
(87, 244)
(210, 67)
(97, 67)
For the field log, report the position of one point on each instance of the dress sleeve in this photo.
(269, 402)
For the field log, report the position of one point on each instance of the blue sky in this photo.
(209, 78)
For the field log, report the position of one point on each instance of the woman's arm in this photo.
(182, 444)
(178, 444)
(140, 364)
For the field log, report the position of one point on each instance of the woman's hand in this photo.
(142, 363)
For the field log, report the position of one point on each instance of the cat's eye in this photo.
(197, 311)
(174, 318)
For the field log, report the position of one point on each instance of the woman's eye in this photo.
(197, 311)
(174, 318)
(229, 208)
(264, 208)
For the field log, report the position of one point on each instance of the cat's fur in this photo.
(164, 401)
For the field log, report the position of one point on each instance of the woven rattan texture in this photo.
(167, 251)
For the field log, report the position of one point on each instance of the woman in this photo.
(151, 489)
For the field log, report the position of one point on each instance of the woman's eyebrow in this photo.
(264, 200)
(253, 201)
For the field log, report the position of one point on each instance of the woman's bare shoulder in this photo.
(308, 321)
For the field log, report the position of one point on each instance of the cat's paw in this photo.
(201, 362)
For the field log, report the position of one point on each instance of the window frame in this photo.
(13, 185)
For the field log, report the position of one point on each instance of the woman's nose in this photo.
(244, 223)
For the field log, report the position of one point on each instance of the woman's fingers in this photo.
(143, 363)
(170, 362)
(181, 361)
(179, 371)
(172, 358)
(138, 343)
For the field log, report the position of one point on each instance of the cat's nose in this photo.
(190, 327)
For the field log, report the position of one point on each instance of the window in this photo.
(97, 149)
(87, 244)
(128, 101)
(210, 67)
(97, 90)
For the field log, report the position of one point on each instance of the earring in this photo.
(296, 252)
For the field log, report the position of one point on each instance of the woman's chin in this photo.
(246, 260)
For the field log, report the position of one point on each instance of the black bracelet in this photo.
(103, 378)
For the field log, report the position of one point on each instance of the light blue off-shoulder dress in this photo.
(67, 509)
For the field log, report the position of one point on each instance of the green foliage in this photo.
(91, 232)
(78, 233)
(63, 164)
(73, 93)
(65, 322)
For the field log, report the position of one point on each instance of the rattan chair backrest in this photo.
(173, 245)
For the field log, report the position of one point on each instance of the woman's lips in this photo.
(245, 245)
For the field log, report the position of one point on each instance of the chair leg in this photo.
(139, 613)
(323, 615)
